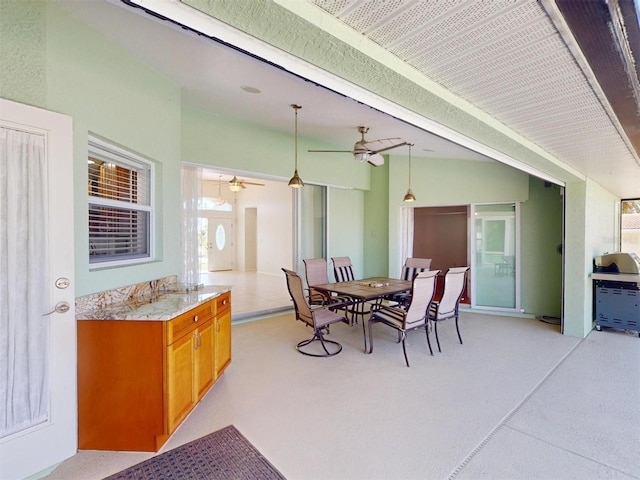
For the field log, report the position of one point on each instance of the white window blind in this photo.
(120, 205)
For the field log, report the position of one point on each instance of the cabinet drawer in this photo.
(223, 302)
(185, 323)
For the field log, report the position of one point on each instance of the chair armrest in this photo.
(391, 309)
(339, 302)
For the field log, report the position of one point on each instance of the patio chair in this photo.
(411, 267)
(342, 269)
(316, 274)
(454, 281)
(415, 316)
(343, 272)
(318, 318)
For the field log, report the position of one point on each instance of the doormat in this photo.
(225, 454)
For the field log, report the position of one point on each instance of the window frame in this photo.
(125, 158)
(621, 247)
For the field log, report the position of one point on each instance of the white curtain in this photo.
(191, 193)
(405, 240)
(24, 277)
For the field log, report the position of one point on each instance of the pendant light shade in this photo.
(296, 181)
(409, 196)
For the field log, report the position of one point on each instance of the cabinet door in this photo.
(223, 341)
(204, 368)
(180, 379)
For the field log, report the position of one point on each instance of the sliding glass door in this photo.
(310, 224)
(495, 256)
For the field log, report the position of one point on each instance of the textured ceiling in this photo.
(510, 59)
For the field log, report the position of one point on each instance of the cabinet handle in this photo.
(195, 318)
(217, 325)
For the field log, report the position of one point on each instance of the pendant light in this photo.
(296, 181)
(409, 197)
(220, 200)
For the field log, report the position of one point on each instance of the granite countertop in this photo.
(160, 306)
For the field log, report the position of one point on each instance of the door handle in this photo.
(61, 307)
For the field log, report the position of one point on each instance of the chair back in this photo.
(296, 291)
(316, 273)
(342, 269)
(413, 266)
(422, 292)
(454, 282)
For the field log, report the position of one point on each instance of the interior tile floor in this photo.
(252, 293)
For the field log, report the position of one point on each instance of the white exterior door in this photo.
(53, 437)
(220, 244)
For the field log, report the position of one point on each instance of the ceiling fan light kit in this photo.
(235, 185)
(296, 181)
(361, 156)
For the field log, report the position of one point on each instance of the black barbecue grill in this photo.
(616, 291)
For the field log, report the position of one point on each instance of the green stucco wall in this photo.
(79, 73)
(23, 52)
(51, 60)
(376, 223)
(590, 220)
(540, 262)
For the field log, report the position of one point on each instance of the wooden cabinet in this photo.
(138, 380)
(190, 361)
(222, 349)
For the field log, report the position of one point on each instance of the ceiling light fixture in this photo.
(409, 197)
(296, 181)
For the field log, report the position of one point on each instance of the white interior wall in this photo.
(274, 205)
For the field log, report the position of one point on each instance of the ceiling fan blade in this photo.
(384, 144)
(376, 160)
(243, 182)
(332, 151)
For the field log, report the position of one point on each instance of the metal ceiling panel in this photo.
(509, 59)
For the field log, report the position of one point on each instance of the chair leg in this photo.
(435, 329)
(404, 347)
(370, 337)
(319, 337)
(364, 335)
(458, 330)
(426, 329)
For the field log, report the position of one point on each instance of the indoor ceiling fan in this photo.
(236, 185)
(369, 151)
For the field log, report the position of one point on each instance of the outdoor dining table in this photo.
(366, 290)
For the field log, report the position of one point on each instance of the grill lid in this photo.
(618, 262)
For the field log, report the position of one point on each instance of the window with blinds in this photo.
(120, 206)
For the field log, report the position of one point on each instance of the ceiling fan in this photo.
(369, 151)
(236, 185)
